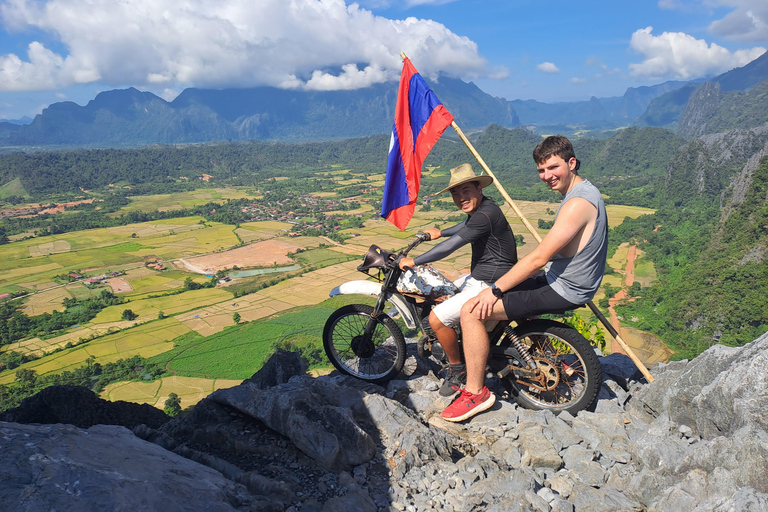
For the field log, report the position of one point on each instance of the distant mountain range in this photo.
(129, 117)
(132, 118)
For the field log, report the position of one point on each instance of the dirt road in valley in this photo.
(646, 346)
(629, 278)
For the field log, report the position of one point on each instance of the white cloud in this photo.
(577, 80)
(318, 44)
(499, 73)
(547, 67)
(676, 55)
(169, 94)
(38, 72)
(350, 78)
(747, 21)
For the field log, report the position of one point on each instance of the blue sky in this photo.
(560, 50)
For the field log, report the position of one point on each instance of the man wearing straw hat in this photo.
(493, 253)
(573, 252)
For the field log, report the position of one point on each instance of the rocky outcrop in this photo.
(79, 406)
(694, 440)
(62, 467)
(702, 104)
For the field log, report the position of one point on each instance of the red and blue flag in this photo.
(420, 120)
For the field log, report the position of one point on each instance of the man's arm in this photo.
(448, 231)
(439, 251)
(571, 220)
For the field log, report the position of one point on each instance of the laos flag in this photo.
(420, 120)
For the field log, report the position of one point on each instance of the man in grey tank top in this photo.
(573, 256)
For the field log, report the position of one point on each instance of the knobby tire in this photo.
(563, 351)
(380, 360)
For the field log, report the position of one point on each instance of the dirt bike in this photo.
(543, 364)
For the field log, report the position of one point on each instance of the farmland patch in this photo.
(146, 340)
(189, 389)
(259, 254)
(45, 249)
(45, 302)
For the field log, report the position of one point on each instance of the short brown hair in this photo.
(555, 145)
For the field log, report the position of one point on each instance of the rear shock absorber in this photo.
(515, 339)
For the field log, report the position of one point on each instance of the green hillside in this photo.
(13, 189)
(712, 271)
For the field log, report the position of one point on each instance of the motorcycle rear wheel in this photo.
(571, 369)
(376, 360)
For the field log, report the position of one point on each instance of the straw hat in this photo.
(463, 174)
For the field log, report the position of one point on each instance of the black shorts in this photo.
(534, 297)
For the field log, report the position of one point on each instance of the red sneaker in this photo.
(468, 404)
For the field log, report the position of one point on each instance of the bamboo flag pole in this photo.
(536, 235)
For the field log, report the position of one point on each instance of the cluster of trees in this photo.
(626, 166)
(91, 375)
(630, 167)
(237, 163)
(15, 325)
(10, 360)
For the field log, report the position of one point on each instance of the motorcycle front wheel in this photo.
(376, 358)
(569, 373)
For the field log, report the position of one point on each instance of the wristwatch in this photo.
(496, 291)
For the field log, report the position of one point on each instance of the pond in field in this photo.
(248, 273)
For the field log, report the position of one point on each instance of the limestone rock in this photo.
(79, 406)
(694, 440)
(311, 414)
(105, 468)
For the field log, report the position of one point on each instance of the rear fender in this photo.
(373, 289)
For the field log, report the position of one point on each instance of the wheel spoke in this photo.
(375, 359)
(565, 380)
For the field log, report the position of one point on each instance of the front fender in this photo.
(373, 289)
(357, 287)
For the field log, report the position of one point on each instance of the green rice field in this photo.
(240, 350)
(180, 200)
(145, 340)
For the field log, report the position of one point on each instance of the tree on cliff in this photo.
(172, 405)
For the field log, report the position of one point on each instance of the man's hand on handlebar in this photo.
(432, 234)
(406, 263)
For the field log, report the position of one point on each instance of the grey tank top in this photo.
(577, 278)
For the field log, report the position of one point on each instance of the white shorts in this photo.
(449, 311)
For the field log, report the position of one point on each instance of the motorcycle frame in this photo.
(405, 307)
(412, 314)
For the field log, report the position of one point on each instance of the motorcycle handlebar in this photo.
(420, 237)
